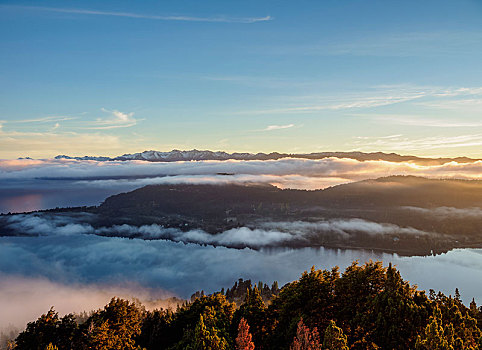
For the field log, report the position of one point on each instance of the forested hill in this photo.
(404, 214)
(365, 307)
(393, 191)
(449, 208)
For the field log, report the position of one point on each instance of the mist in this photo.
(269, 233)
(448, 212)
(24, 299)
(28, 185)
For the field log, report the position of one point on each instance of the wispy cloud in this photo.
(117, 120)
(418, 120)
(342, 104)
(427, 143)
(378, 96)
(407, 44)
(49, 119)
(278, 127)
(220, 19)
(468, 105)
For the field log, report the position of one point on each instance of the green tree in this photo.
(312, 298)
(49, 329)
(398, 313)
(216, 310)
(253, 310)
(334, 338)
(434, 336)
(204, 337)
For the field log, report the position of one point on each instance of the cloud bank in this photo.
(448, 212)
(32, 184)
(268, 234)
(341, 168)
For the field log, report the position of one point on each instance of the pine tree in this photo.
(253, 310)
(334, 338)
(434, 337)
(306, 339)
(205, 337)
(116, 326)
(243, 341)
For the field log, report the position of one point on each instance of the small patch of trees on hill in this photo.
(365, 307)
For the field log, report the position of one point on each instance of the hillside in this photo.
(404, 214)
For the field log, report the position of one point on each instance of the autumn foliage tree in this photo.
(306, 338)
(244, 338)
(115, 327)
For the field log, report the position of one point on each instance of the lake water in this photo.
(182, 268)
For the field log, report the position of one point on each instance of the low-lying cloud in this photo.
(341, 168)
(266, 234)
(448, 212)
(24, 299)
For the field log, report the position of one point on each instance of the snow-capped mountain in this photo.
(196, 155)
(177, 155)
(100, 159)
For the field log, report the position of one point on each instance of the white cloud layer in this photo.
(290, 172)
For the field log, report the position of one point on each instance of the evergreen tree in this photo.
(253, 310)
(334, 338)
(397, 313)
(49, 329)
(243, 340)
(204, 337)
(116, 326)
(434, 337)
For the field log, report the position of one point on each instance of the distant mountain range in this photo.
(195, 155)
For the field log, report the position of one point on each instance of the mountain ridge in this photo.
(203, 155)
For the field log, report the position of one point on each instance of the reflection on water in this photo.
(21, 203)
(23, 196)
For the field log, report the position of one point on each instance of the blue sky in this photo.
(113, 77)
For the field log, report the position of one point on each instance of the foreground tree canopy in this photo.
(365, 307)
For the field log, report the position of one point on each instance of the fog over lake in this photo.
(78, 272)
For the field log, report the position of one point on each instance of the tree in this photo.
(434, 337)
(243, 341)
(116, 326)
(334, 338)
(398, 313)
(305, 338)
(204, 337)
(253, 310)
(50, 330)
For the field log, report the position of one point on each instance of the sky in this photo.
(115, 77)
